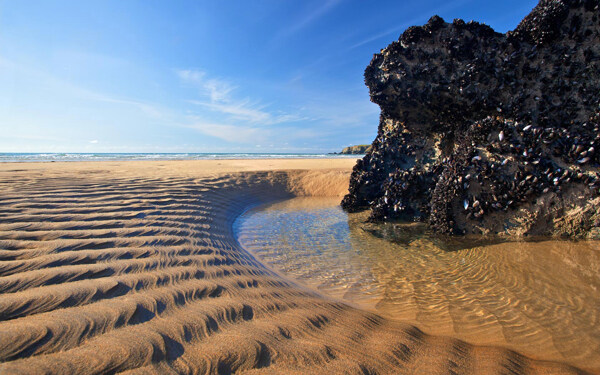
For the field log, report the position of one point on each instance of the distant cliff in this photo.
(356, 150)
(482, 132)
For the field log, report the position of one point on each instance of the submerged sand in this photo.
(540, 298)
(112, 267)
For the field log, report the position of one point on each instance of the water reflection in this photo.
(541, 298)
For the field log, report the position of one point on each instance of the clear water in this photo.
(541, 298)
(45, 157)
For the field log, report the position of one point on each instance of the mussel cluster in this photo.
(477, 124)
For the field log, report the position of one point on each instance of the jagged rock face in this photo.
(486, 132)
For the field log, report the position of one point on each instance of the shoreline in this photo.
(133, 266)
(130, 157)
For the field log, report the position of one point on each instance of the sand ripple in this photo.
(109, 268)
(540, 298)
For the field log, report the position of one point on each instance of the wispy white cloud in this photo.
(231, 133)
(241, 111)
(65, 87)
(247, 112)
(148, 109)
(413, 21)
(224, 115)
(218, 96)
(190, 75)
(216, 89)
(381, 34)
(255, 135)
(309, 17)
(218, 111)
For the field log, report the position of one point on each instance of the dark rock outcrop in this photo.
(482, 132)
(356, 150)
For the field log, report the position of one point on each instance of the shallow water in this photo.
(541, 298)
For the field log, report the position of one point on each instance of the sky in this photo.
(203, 76)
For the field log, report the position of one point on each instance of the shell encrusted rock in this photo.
(483, 132)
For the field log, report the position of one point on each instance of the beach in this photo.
(132, 266)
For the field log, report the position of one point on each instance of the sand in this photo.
(132, 267)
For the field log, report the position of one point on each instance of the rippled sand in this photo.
(132, 267)
(540, 298)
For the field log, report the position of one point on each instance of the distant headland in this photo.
(354, 150)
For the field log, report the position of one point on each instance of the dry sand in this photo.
(112, 267)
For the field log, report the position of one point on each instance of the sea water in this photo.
(50, 157)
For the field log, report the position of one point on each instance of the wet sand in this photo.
(110, 267)
(540, 298)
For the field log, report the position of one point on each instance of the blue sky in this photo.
(202, 76)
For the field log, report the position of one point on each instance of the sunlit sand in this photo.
(133, 266)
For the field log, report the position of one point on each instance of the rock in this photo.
(471, 115)
(356, 150)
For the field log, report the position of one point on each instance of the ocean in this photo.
(50, 157)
